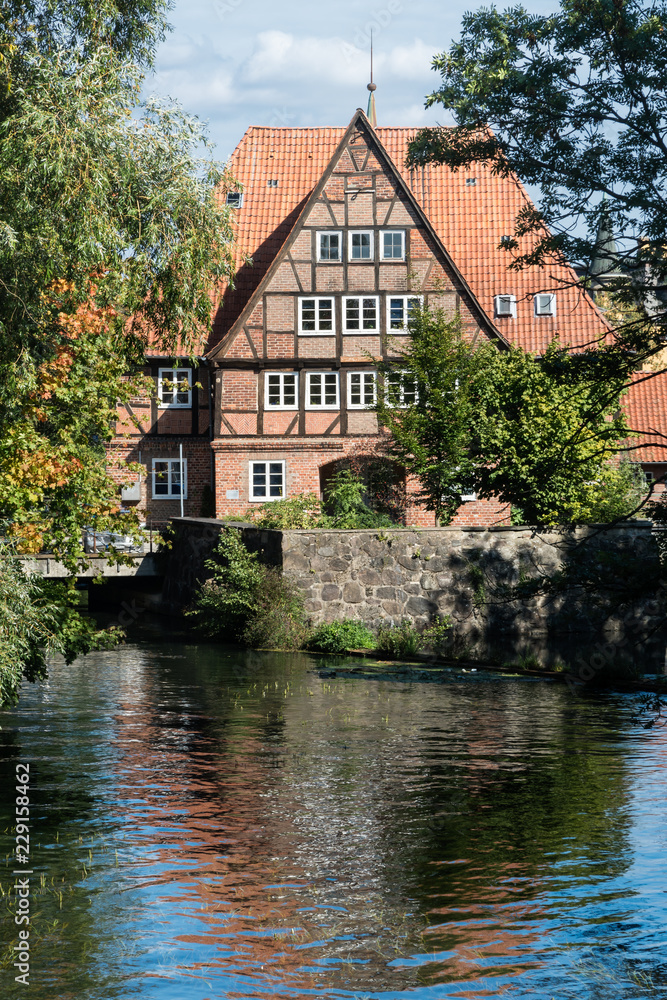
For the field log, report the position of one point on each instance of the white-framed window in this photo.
(399, 310)
(504, 306)
(330, 246)
(545, 304)
(174, 388)
(322, 391)
(400, 389)
(361, 313)
(267, 481)
(169, 479)
(392, 244)
(361, 390)
(281, 390)
(234, 199)
(360, 245)
(316, 315)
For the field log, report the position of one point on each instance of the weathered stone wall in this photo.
(608, 578)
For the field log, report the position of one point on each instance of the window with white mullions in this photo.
(392, 244)
(362, 314)
(401, 389)
(281, 391)
(360, 246)
(267, 481)
(316, 315)
(322, 391)
(174, 388)
(169, 479)
(361, 390)
(329, 246)
(400, 310)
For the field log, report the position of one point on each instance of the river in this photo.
(213, 823)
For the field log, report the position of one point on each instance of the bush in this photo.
(248, 602)
(338, 637)
(300, 511)
(404, 640)
(345, 506)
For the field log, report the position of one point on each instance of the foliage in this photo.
(37, 619)
(246, 601)
(404, 640)
(110, 236)
(300, 511)
(340, 636)
(345, 506)
(574, 102)
(539, 434)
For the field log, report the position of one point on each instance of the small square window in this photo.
(174, 388)
(361, 314)
(401, 389)
(281, 391)
(235, 199)
(329, 246)
(545, 304)
(505, 306)
(316, 315)
(392, 242)
(267, 481)
(471, 182)
(272, 183)
(322, 391)
(170, 478)
(400, 309)
(361, 390)
(361, 246)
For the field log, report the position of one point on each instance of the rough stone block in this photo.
(330, 592)
(353, 592)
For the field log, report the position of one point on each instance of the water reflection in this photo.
(220, 824)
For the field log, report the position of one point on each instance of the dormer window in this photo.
(235, 199)
(329, 246)
(505, 306)
(545, 304)
(272, 183)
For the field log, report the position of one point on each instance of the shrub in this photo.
(338, 637)
(246, 601)
(404, 640)
(300, 511)
(345, 506)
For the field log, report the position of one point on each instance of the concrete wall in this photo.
(609, 577)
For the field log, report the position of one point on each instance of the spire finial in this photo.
(371, 113)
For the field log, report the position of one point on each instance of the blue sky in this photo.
(237, 63)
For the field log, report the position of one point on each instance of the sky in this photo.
(236, 63)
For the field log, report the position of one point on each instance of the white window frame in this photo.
(360, 298)
(317, 332)
(507, 299)
(364, 375)
(281, 377)
(322, 406)
(329, 232)
(267, 472)
(171, 375)
(360, 232)
(401, 391)
(236, 199)
(403, 329)
(171, 462)
(401, 233)
(550, 309)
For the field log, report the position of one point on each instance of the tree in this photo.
(541, 435)
(111, 237)
(575, 103)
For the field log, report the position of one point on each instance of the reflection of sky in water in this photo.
(258, 832)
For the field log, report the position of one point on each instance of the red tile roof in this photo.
(646, 406)
(470, 219)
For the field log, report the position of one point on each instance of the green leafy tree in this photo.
(539, 434)
(574, 102)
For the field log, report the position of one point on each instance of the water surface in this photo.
(209, 823)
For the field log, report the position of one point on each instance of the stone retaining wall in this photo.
(466, 573)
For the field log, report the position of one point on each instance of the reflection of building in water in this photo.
(313, 832)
